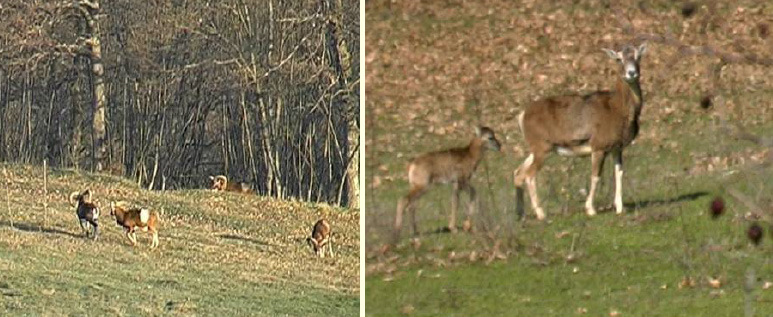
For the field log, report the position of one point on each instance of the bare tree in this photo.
(262, 92)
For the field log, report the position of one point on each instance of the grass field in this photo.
(433, 70)
(220, 254)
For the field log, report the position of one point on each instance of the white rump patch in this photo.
(574, 151)
(144, 215)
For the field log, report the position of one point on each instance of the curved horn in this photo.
(85, 193)
(73, 198)
(222, 179)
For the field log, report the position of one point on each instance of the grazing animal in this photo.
(454, 166)
(221, 183)
(88, 212)
(131, 218)
(594, 124)
(320, 238)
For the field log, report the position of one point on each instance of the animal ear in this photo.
(478, 130)
(641, 50)
(211, 177)
(612, 54)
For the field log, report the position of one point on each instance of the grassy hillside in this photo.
(436, 69)
(220, 254)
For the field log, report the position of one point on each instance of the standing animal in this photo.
(221, 183)
(594, 124)
(454, 166)
(320, 238)
(132, 218)
(88, 212)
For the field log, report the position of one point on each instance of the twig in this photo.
(687, 50)
(688, 250)
(748, 290)
(45, 191)
(8, 195)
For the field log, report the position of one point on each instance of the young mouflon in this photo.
(454, 166)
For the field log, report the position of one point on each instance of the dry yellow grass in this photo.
(219, 253)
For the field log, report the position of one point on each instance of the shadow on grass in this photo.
(245, 239)
(441, 230)
(37, 228)
(667, 201)
(637, 205)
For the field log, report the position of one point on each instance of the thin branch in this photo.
(688, 50)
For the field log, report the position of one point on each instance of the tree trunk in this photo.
(90, 12)
(354, 167)
(341, 62)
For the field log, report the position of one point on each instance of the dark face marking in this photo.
(488, 137)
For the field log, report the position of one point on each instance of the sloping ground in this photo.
(435, 69)
(220, 254)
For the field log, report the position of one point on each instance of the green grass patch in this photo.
(220, 254)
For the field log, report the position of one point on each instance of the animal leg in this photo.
(618, 155)
(322, 244)
(530, 171)
(597, 162)
(130, 236)
(472, 207)
(412, 209)
(454, 208)
(84, 226)
(310, 241)
(154, 242)
(519, 175)
(406, 203)
(94, 225)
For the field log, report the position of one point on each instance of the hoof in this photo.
(540, 214)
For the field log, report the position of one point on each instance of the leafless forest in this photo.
(168, 92)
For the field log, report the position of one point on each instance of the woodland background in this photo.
(169, 92)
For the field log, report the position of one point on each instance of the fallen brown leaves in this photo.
(472, 62)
